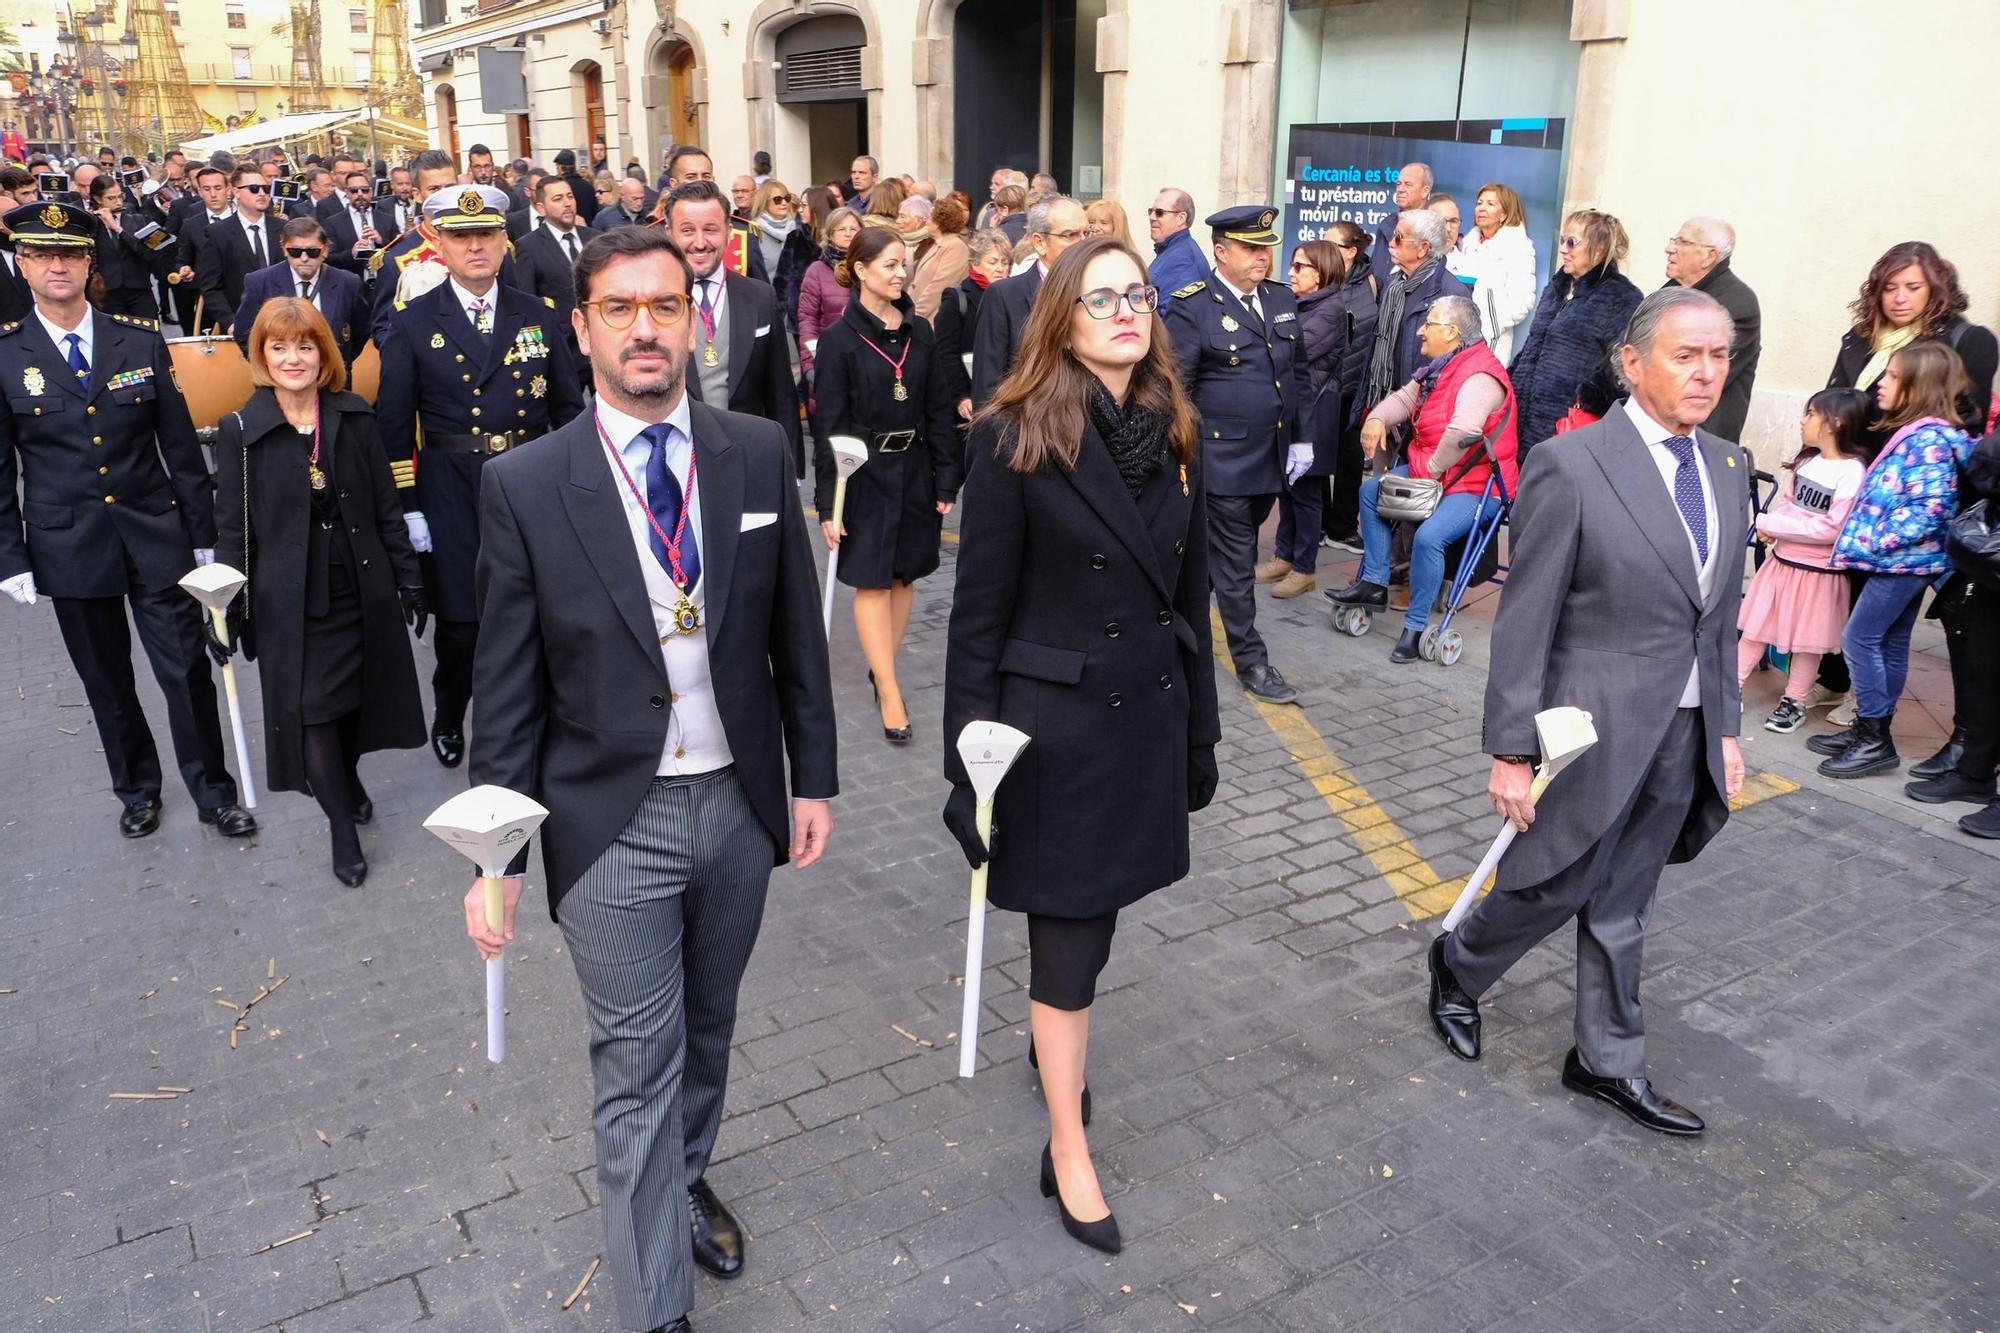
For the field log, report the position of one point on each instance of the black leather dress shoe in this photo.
(1949, 786)
(718, 1241)
(1360, 593)
(140, 818)
(1634, 1096)
(1264, 682)
(1944, 761)
(231, 821)
(1454, 1014)
(448, 746)
(353, 876)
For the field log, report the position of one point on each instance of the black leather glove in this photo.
(1201, 777)
(217, 649)
(416, 612)
(960, 817)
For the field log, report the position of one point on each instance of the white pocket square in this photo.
(751, 522)
(763, 329)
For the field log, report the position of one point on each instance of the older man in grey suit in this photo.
(1621, 599)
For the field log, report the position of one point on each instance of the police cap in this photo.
(1252, 224)
(52, 226)
(466, 208)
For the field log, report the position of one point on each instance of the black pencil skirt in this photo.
(1065, 954)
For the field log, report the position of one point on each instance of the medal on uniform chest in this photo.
(1229, 324)
(708, 356)
(33, 382)
(686, 616)
(896, 363)
(437, 340)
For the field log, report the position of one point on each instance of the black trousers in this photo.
(1972, 634)
(1343, 508)
(99, 640)
(451, 682)
(1233, 521)
(1065, 955)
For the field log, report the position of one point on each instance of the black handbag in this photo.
(1972, 541)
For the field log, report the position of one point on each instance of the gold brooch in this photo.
(33, 382)
(538, 386)
(437, 340)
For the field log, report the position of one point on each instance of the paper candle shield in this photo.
(213, 585)
(488, 825)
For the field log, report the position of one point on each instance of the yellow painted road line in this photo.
(1762, 787)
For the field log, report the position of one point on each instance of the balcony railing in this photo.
(264, 75)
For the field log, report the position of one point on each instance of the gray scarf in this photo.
(1388, 329)
(772, 235)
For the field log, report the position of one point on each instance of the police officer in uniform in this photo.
(1242, 360)
(472, 368)
(118, 507)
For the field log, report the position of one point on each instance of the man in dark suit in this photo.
(1698, 256)
(1054, 224)
(1621, 599)
(398, 212)
(622, 588)
(350, 229)
(195, 217)
(585, 192)
(546, 257)
(478, 367)
(237, 247)
(306, 273)
(741, 358)
(1242, 359)
(480, 166)
(118, 508)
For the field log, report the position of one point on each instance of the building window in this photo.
(364, 67)
(246, 101)
(173, 16)
(233, 17)
(357, 20)
(430, 13)
(239, 62)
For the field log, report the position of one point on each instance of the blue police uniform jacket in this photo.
(1176, 263)
(1247, 378)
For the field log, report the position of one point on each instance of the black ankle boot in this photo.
(1834, 742)
(1406, 646)
(1869, 753)
(1945, 760)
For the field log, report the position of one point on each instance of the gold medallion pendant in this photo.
(686, 619)
(900, 393)
(316, 477)
(708, 356)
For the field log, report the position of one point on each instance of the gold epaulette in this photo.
(375, 260)
(139, 322)
(400, 305)
(9, 327)
(1197, 285)
(405, 473)
(549, 301)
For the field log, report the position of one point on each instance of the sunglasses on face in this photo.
(256, 189)
(1571, 242)
(1164, 213)
(304, 251)
(781, 199)
(1306, 264)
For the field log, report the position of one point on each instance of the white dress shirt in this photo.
(561, 235)
(718, 293)
(1655, 435)
(317, 286)
(60, 337)
(258, 238)
(695, 742)
(467, 301)
(362, 222)
(1249, 298)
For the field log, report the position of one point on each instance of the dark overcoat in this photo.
(893, 526)
(271, 548)
(1081, 618)
(1569, 345)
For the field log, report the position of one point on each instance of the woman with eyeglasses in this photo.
(306, 507)
(1566, 361)
(1317, 278)
(878, 380)
(1081, 618)
(786, 247)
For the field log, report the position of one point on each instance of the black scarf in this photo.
(1135, 437)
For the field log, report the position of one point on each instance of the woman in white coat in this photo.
(1497, 255)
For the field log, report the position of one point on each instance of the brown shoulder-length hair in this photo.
(1040, 405)
(290, 318)
(1933, 380)
(1325, 258)
(1947, 298)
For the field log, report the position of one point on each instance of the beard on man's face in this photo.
(661, 386)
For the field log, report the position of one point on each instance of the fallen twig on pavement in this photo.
(588, 1274)
(905, 1032)
(287, 1240)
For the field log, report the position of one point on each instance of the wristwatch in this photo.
(1527, 759)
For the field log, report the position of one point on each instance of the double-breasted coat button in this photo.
(95, 439)
(1166, 682)
(657, 701)
(1112, 630)
(91, 410)
(1165, 617)
(1098, 562)
(104, 472)
(1115, 700)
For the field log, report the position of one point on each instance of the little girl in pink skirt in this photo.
(1795, 603)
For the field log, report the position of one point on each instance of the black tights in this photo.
(330, 755)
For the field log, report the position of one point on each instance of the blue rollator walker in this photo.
(1441, 643)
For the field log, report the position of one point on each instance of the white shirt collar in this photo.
(1651, 431)
(625, 431)
(257, 226)
(466, 300)
(60, 335)
(1242, 295)
(557, 232)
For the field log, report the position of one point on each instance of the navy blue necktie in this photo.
(1687, 492)
(76, 361)
(663, 497)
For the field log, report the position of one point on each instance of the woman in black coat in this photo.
(1081, 618)
(1358, 294)
(1586, 305)
(879, 380)
(1317, 279)
(958, 313)
(1970, 609)
(124, 266)
(305, 507)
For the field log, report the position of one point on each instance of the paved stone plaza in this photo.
(1286, 1143)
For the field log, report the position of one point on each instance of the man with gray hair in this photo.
(1621, 599)
(1177, 256)
(1698, 257)
(862, 175)
(1415, 278)
(1054, 225)
(1413, 190)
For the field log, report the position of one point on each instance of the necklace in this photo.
(313, 474)
(687, 619)
(895, 363)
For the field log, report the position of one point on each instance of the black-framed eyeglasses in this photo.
(1102, 302)
(305, 251)
(619, 312)
(1073, 234)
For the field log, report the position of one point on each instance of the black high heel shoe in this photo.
(1036, 1064)
(894, 735)
(1099, 1235)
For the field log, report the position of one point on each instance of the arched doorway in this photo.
(675, 93)
(815, 97)
(446, 102)
(586, 87)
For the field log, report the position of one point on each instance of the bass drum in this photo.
(364, 377)
(213, 378)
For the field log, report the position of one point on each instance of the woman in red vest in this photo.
(1461, 394)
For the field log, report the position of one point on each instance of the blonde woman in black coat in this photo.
(1081, 617)
(879, 380)
(306, 507)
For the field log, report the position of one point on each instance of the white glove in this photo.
(21, 588)
(1298, 458)
(420, 531)
(204, 555)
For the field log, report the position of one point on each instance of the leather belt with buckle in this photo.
(894, 441)
(497, 443)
